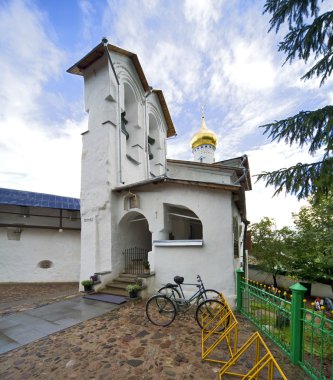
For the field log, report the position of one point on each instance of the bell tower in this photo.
(204, 144)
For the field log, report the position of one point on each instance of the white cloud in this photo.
(203, 17)
(216, 53)
(88, 11)
(50, 165)
(260, 201)
(28, 57)
(35, 154)
(202, 12)
(249, 67)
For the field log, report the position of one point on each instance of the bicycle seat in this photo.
(178, 280)
(169, 285)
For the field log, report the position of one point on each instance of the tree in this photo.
(269, 247)
(312, 257)
(310, 37)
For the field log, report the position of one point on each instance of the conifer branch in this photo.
(291, 11)
(302, 180)
(307, 127)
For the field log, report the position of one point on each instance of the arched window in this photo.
(182, 223)
(155, 151)
(130, 125)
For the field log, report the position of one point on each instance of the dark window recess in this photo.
(45, 264)
(195, 231)
(236, 237)
(150, 154)
(123, 125)
(151, 142)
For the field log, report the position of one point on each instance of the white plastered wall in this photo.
(105, 157)
(20, 258)
(214, 261)
(99, 170)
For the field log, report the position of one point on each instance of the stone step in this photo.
(118, 285)
(128, 275)
(127, 280)
(114, 291)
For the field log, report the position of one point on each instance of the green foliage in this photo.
(269, 246)
(313, 254)
(133, 288)
(305, 251)
(302, 180)
(310, 37)
(304, 40)
(87, 282)
(146, 264)
(313, 128)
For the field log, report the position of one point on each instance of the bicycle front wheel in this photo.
(160, 310)
(208, 294)
(212, 315)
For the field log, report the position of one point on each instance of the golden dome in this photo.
(204, 136)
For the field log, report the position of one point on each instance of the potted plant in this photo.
(133, 290)
(87, 284)
(146, 266)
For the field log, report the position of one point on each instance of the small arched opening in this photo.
(135, 241)
(154, 147)
(130, 125)
(182, 223)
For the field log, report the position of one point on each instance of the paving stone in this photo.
(120, 344)
(142, 334)
(135, 362)
(137, 352)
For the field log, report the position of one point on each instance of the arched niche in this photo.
(133, 231)
(130, 125)
(182, 223)
(155, 151)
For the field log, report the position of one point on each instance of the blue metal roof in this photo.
(28, 198)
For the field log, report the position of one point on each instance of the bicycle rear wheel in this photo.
(160, 310)
(212, 315)
(208, 294)
(171, 293)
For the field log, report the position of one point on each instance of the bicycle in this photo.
(162, 308)
(202, 294)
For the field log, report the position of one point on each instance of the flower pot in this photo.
(133, 294)
(87, 288)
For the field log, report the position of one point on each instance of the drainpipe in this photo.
(148, 93)
(60, 221)
(245, 258)
(120, 176)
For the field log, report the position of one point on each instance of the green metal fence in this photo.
(304, 334)
(317, 344)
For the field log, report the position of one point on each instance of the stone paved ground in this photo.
(18, 297)
(122, 344)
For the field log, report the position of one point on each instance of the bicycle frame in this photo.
(200, 286)
(170, 300)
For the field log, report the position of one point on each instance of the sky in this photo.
(212, 53)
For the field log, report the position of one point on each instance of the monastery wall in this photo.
(22, 260)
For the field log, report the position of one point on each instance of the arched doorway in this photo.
(135, 242)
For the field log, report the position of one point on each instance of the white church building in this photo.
(184, 217)
(188, 217)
